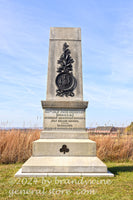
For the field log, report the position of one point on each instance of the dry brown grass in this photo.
(16, 146)
(111, 148)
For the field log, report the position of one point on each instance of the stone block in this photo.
(73, 164)
(65, 134)
(75, 147)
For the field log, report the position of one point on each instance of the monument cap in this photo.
(58, 33)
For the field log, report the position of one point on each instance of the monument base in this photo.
(20, 174)
(50, 158)
(63, 166)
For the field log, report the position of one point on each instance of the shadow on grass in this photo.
(116, 170)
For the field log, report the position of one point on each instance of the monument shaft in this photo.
(59, 37)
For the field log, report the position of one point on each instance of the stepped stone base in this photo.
(76, 147)
(63, 166)
(64, 134)
(48, 160)
(20, 174)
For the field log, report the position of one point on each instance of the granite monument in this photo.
(64, 148)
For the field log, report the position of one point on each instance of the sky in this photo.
(107, 58)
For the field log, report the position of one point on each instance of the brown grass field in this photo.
(16, 146)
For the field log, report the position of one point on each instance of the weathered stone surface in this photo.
(65, 134)
(80, 174)
(57, 33)
(51, 147)
(64, 119)
(56, 164)
(65, 104)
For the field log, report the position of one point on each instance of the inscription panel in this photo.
(64, 119)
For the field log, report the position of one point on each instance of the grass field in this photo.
(72, 188)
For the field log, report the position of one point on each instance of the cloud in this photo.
(109, 97)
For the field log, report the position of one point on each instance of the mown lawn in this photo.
(118, 187)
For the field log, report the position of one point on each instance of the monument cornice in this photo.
(65, 104)
(65, 40)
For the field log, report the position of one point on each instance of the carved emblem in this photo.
(65, 80)
(64, 149)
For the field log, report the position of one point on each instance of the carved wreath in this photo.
(65, 81)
